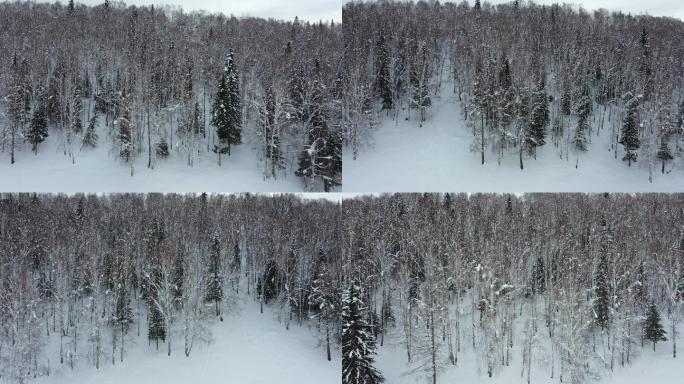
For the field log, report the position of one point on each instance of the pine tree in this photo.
(630, 131)
(71, 6)
(653, 330)
(226, 110)
(358, 343)
(383, 82)
(38, 130)
(214, 290)
(90, 136)
(477, 6)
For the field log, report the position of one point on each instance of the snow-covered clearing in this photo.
(102, 170)
(248, 347)
(404, 157)
(646, 366)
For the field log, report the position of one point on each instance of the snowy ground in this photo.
(101, 170)
(404, 157)
(248, 348)
(647, 367)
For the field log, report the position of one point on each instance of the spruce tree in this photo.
(123, 314)
(226, 111)
(383, 82)
(156, 326)
(601, 304)
(125, 144)
(538, 277)
(630, 131)
(583, 109)
(90, 136)
(358, 342)
(653, 330)
(214, 290)
(539, 117)
(76, 124)
(38, 130)
(664, 154)
(322, 301)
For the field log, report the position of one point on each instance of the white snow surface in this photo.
(248, 348)
(404, 157)
(646, 366)
(102, 170)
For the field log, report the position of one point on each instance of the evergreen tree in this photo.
(76, 109)
(268, 285)
(583, 109)
(358, 342)
(214, 290)
(178, 279)
(123, 314)
(539, 117)
(322, 301)
(420, 81)
(38, 130)
(125, 134)
(645, 64)
(71, 6)
(601, 304)
(383, 82)
(156, 324)
(664, 154)
(226, 110)
(630, 131)
(90, 136)
(653, 330)
(477, 6)
(538, 277)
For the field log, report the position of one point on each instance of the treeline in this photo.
(582, 281)
(169, 83)
(89, 273)
(526, 75)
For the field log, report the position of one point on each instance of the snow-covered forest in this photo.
(137, 88)
(92, 283)
(569, 288)
(472, 95)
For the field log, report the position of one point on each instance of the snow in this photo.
(248, 347)
(404, 157)
(101, 170)
(647, 367)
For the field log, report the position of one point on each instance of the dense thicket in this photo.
(526, 75)
(87, 273)
(151, 76)
(577, 281)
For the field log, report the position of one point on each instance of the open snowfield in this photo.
(101, 170)
(404, 157)
(248, 347)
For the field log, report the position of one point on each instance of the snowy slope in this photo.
(248, 347)
(101, 170)
(404, 157)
